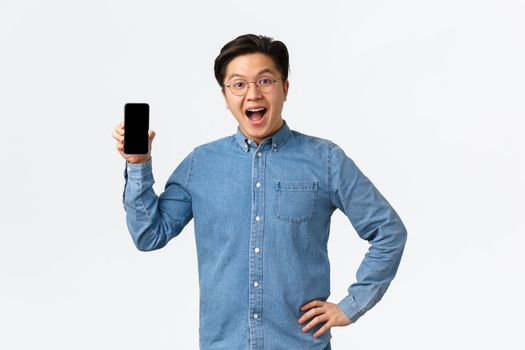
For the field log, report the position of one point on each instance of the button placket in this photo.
(256, 239)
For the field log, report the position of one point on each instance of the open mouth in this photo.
(256, 114)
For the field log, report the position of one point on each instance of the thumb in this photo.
(151, 134)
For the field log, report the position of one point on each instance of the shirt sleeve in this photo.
(374, 220)
(153, 220)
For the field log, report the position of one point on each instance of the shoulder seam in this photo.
(330, 147)
(191, 168)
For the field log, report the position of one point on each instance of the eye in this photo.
(238, 84)
(265, 81)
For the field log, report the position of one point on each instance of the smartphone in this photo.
(136, 125)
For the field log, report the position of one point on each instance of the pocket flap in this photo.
(296, 185)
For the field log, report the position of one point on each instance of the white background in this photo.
(425, 96)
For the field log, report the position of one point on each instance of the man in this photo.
(261, 201)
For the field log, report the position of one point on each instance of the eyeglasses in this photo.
(239, 87)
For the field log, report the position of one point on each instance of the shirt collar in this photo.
(277, 139)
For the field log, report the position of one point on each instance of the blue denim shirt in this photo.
(262, 221)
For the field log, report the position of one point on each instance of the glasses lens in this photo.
(265, 84)
(238, 87)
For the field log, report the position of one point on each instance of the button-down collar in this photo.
(277, 139)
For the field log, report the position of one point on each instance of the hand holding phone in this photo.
(133, 135)
(136, 125)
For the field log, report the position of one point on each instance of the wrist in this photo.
(140, 161)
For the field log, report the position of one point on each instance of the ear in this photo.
(286, 85)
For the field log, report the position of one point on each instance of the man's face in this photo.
(258, 113)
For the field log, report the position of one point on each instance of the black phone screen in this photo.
(136, 125)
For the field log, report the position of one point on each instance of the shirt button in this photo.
(257, 250)
(257, 218)
(256, 316)
(256, 284)
(258, 184)
(259, 154)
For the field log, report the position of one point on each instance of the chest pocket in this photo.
(296, 200)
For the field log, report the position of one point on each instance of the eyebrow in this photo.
(265, 70)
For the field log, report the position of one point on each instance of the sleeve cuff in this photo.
(137, 171)
(350, 308)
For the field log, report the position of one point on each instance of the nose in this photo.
(253, 92)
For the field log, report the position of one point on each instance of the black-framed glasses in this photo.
(239, 87)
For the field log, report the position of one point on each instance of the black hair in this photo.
(250, 43)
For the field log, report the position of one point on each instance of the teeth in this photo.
(255, 109)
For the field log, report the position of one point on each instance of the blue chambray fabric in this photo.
(261, 217)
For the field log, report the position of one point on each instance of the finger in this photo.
(311, 304)
(151, 134)
(321, 330)
(314, 322)
(118, 137)
(120, 128)
(313, 312)
(120, 146)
